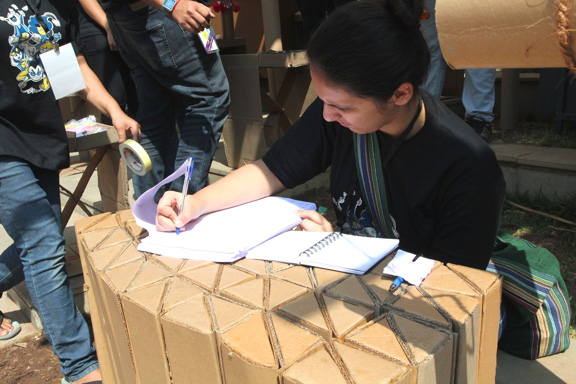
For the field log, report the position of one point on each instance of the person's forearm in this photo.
(155, 3)
(95, 93)
(95, 11)
(248, 183)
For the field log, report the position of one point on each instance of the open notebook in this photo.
(329, 250)
(222, 236)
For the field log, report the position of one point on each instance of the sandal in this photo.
(64, 381)
(15, 328)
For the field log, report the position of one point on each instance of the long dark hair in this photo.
(370, 47)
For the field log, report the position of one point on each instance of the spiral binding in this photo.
(326, 241)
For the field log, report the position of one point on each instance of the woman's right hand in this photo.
(167, 218)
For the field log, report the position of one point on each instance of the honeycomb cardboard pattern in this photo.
(159, 319)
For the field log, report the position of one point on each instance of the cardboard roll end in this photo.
(511, 34)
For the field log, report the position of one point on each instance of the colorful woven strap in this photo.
(371, 175)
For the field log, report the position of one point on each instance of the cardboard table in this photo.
(159, 319)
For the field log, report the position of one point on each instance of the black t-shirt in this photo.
(31, 126)
(444, 186)
(111, 5)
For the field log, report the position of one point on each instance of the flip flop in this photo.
(15, 330)
(64, 381)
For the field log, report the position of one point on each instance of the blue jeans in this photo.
(434, 82)
(183, 94)
(478, 94)
(30, 214)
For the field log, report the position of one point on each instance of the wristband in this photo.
(168, 6)
(174, 7)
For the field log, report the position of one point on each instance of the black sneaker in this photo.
(482, 128)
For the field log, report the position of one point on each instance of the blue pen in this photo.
(187, 177)
(397, 281)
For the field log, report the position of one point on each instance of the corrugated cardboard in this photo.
(256, 119)
(74, 107)
(247, 355)
(500, 34)
(104, 287)
(114, 181)
(186, 326)
(458, 290)
(368, 368)
(318, 366)
(163, 320)
(307, 311)
(489, 287)
(426, 349)
(141, 308)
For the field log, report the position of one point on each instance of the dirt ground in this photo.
(31, 362)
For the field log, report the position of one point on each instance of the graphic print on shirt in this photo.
(358, 218)
(28, 41)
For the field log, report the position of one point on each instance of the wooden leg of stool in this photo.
(86, 175)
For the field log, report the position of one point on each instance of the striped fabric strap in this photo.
(538, 293)
(368, 164)
(371, 167)
(550, 327)
(528, 288)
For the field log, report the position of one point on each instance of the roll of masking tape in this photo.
(135, 157)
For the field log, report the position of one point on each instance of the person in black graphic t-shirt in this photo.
(33, 148)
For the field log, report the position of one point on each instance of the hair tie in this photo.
(425, 15)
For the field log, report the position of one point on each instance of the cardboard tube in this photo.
(502, 34)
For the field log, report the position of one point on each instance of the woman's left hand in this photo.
(314, 222)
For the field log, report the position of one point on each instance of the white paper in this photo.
(222, 236)
(63, 71)
(350, 254)
(414, 272)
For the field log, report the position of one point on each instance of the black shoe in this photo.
(482, 128)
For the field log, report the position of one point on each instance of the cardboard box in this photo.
(472, 299)
(74, 107)
(257, 119)
(114, 181)
(426, 349)
(158, 319)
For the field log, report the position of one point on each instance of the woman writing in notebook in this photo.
(401, 164)
(440, 189)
